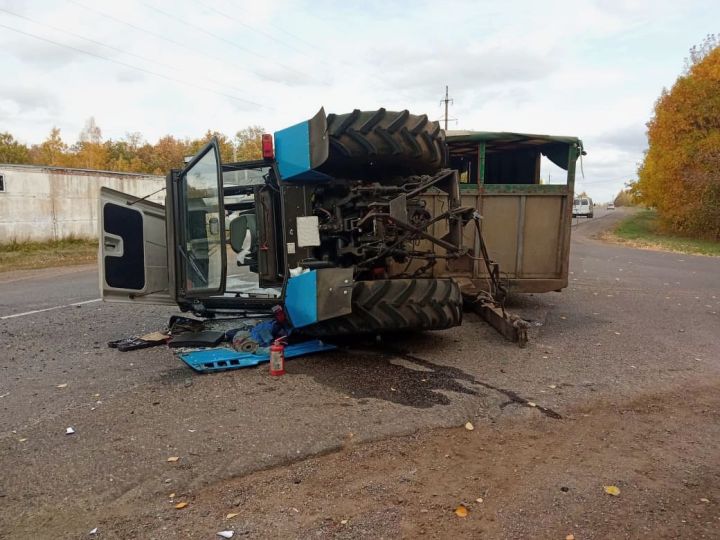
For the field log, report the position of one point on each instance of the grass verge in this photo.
(30, 255)
(642, 229)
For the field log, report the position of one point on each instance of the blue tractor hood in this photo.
(302, 148)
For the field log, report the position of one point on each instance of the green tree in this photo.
(11, 151)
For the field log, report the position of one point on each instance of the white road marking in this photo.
(48, 309)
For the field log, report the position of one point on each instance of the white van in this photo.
(583, 206)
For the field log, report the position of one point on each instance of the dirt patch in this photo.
(537, 477)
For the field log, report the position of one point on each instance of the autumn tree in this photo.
(11, 151)
(129, 154)
(52, 151)
(680, 173)
(248, 143)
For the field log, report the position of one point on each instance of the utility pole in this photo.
(447, 101)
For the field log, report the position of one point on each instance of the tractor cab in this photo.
(211, 247)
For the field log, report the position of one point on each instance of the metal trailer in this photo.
(525, 223)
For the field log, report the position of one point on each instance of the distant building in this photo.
(51, 203)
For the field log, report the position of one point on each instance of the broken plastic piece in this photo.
(222, 359)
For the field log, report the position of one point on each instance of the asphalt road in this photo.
(630, 322)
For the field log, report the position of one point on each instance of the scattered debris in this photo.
(531, 404)
(94, 531)
(231, 515)
(134, 343)
(479, 500)
(63, 385)
(226, 534)
(207, 338)
(221, 359)
(612, 490)
(461, 511)
(69, 431)
(705, 500)
(171, 496)
(180, 505)
(469, 426)
(343, 522)
(570, 536)
(173, 459)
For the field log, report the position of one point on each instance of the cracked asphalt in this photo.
(631, 324)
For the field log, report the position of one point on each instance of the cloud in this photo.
(25, 99)
(487, 69)
(631, 138)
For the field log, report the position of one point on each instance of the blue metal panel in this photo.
(292, 150)
(221, 359)
(301, 299)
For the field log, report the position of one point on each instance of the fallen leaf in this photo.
(461, 511)
(570, 536)
(173, 459)
(180, 505)
(469, 426)
(231, 515)
(63, 385)
(612, 490)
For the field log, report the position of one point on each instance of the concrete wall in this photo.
(46, 203)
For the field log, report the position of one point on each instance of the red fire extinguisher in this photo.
(277, 357)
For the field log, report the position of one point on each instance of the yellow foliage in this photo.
(680, 174)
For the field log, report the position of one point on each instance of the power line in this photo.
(220, 38)
(246, 25)
(130, 66)
(154, 34)
(144, 58)
(296, 37)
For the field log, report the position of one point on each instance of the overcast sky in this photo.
(592, 69)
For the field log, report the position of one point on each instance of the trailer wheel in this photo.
(396, 304)
(378, 144)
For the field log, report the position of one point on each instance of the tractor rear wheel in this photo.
(388, 305)
(378, 144)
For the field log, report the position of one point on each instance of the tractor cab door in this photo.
(197, 226)
(133, 253)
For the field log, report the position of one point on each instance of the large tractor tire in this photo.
(380, 144)
(388, 305)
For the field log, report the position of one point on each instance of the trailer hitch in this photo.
(511, 326)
